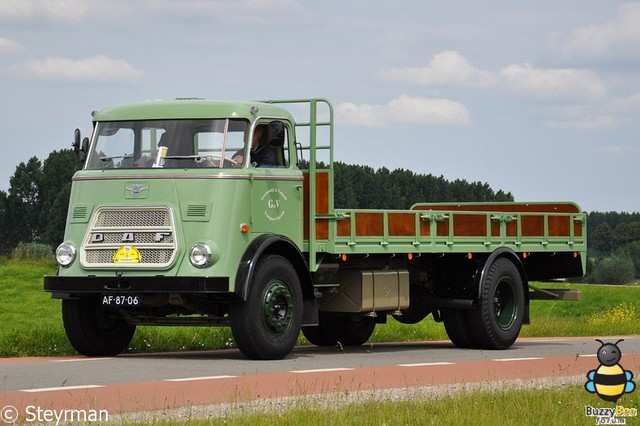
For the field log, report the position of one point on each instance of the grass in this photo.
(560, 405)
(32, 324)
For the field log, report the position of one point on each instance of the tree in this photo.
(35, 207)
(55, 189)
(5, 234)
(602, 239)
(626, 233)
(614, 270)
(24, 204)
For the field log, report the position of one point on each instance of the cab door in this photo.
(276, 185)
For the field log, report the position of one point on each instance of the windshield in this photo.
(166, 143)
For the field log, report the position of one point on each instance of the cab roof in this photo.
(185, 108)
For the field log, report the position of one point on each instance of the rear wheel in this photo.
(457, 326)
(321, 335)
(496, 322)
(94, 330)
(352, 330)
(267, 324)
(346, 330)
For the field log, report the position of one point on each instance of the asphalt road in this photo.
(168, 380)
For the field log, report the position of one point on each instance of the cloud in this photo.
(405, 110)
(615, 149)
(255, 12)
(628, 104)
(51, 10)
(97, 69)
(9, 46)
(448, 68)
(553, 84)
(617, 38)
(587, 123)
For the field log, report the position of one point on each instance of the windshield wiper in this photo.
(105, 159)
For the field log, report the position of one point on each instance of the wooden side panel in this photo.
(470, 226)
(322, 204)
(559, 226)
(369, 224)
(425, 228)
(532, 226)
(402, 224)
(344, 227)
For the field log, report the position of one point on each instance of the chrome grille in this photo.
(132, 218)
(150, 230)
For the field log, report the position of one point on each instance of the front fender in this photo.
(270, 243)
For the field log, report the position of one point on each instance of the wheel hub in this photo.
(277, 307)
(504, 305)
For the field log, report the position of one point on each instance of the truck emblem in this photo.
(128, 237)
(97, 238)
(136, 189)
(275, 201)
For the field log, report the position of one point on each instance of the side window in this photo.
(273, 148)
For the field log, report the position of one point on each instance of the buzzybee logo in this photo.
(610, 381)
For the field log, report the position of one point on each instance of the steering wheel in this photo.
(214, 161)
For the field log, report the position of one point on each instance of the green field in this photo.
(32, 324)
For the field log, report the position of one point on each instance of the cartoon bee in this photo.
(610, 381)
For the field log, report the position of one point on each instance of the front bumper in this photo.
(135, 285)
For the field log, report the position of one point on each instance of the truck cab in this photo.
(174, 205)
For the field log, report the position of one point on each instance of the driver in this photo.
(260, 154)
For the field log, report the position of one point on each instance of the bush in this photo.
(614, 270)
(633, 251)
(32, 251)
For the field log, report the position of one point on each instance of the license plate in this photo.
(119, 300)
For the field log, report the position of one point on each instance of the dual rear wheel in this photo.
(496, 322)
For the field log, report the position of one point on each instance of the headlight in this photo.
(65, 254)
(200, 255)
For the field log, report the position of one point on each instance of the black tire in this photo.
(267, 324)
(320, 335)
(457, 326)
(93, 330)
(496, 322)
(351, 330)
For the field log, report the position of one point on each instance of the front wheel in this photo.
(497, 320)
(267, 324)
(94, 330)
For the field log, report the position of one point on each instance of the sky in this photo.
(538, 98)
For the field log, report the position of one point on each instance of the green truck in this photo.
(171, 223)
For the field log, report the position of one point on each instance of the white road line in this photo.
(515, 359)
(321, 370)
(425, 364)
(60, 388)
(79, 359)
(189, 379)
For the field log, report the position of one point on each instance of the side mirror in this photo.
(81, 148)
(76, 141)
